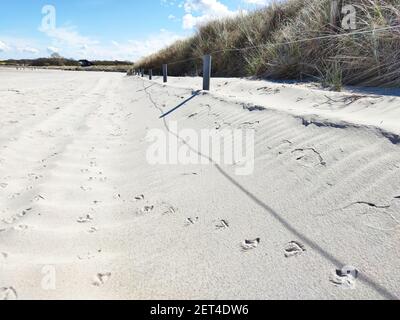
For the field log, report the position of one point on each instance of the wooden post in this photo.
(206, 72)
(165, 72)
(150, 74)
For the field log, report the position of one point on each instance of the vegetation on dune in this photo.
(277, 45)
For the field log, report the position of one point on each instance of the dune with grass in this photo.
(295, 39)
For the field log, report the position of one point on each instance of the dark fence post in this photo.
(165, 72)
(206, 72)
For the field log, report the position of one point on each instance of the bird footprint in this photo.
(139, 198)
(191, 221)
(345, 277)
(86, 219)
(222, 225)
(250, 244)
(170, 210)
(101, 278)
(294, 249)
(147, 209)
(93, 230)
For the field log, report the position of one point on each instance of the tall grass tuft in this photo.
(275, 43)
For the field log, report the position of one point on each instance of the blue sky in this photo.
(104, 29)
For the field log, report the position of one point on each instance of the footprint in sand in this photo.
(24, 213)
(192, 115)
(248, 245)
(34, 177)
(147, 209)
(169, 210)
(88, 218)
(139, 198)
(345, 278)
(222, 225)
(191, 221)
(101, 278)
(8, 293)
(37, 198)
(93, 163)
(294, 249)
(190, 174)
(93, 230)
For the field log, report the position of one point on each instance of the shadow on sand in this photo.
(195, 94)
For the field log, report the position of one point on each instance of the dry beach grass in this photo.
(369, 59)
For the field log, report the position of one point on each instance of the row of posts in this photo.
(206, 72)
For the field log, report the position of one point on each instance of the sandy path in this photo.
(69, 177)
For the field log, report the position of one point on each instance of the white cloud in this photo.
(206, 6)
(29, 50)
(11, 47)
(3, 46)
(69, 36)
(168, 3)
(68, 42)
(135, 49)
(52, 50)
(199, 12)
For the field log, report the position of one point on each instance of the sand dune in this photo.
(84, 215)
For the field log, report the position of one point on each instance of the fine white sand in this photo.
(325, 192)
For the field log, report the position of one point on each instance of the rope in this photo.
(291, 42)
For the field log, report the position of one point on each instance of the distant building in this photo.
(85, 63)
